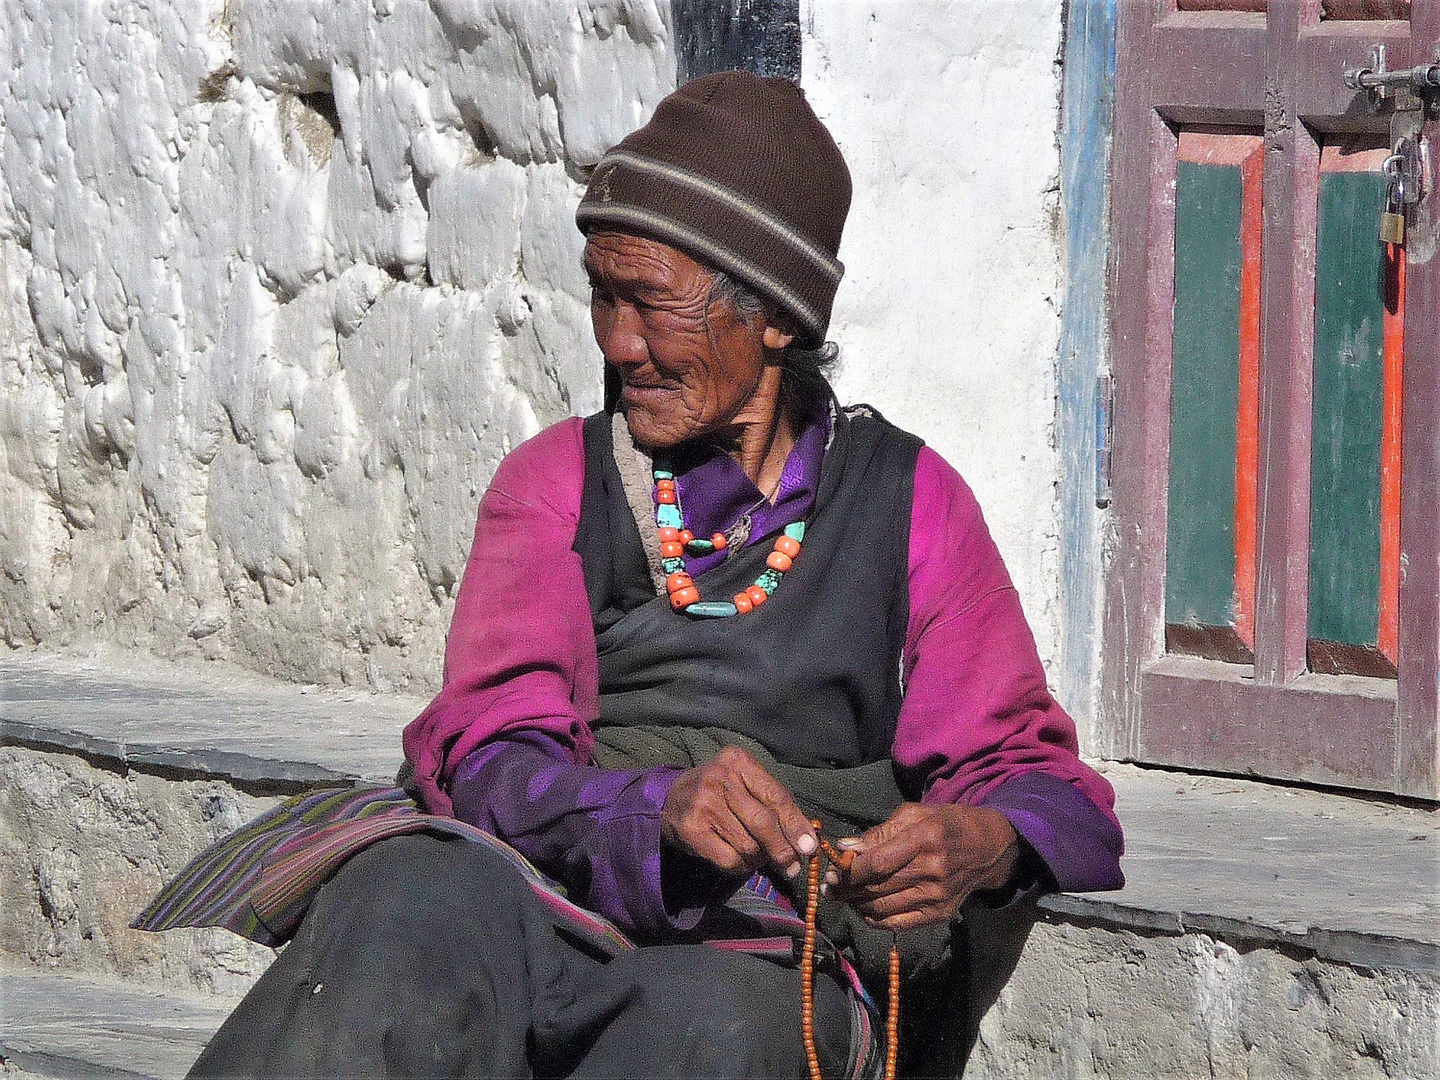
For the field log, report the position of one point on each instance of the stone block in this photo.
(82, 849)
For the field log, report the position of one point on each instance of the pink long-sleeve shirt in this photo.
(977, 724)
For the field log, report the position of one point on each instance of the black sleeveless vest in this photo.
(814, 674)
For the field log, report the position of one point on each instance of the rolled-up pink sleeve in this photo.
(521, 650)
(978, 724)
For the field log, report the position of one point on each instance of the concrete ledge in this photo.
(1376, 951)
(243, 769)
(1348, 879)
(211, 719)
(60, 1026)
(1345, 878)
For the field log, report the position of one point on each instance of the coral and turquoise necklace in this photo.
(675, 540)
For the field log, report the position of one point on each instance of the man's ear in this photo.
(778, 331)
(776, 339)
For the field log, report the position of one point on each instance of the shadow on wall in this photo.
(942, 1014)
(762, 36)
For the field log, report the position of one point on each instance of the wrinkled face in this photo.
(689, 367)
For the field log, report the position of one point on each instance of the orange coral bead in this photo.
(720, 542)
(665, 485)
(677, 581)
(686, 536)
(665, 496)
(743, 603)
(778, 560)
(757, 595)
(669, 536)
(787, 545)
(684, 598)
(672, 550)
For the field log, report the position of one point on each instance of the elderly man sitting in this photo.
(689, 625)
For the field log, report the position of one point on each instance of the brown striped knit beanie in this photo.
(738, 172)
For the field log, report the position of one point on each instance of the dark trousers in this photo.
(432, 958)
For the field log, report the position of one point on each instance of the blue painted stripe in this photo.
(1087, 104)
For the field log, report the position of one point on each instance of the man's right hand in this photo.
(736, 816)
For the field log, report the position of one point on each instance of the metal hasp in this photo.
(1404, 171)
(1411, 96)
(1423, 80)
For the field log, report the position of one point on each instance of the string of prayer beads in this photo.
(842, 861)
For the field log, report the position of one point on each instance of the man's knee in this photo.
(737, 1005)
(420, 894)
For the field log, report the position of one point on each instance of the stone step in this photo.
(1215, 854)
(65, 1026)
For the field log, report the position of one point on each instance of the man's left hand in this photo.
(921, 864)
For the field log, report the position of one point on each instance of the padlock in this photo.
(1392, 228)
(1392, 219)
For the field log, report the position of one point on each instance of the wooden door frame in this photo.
(1273, 719)
(1419, 713)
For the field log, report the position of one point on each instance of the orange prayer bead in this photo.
(743, 603)
(788, 545)
(669, 536)
(677, 581)
(672, 550)
(778, 560)
(720, 542)
(684, 598)
(665, 496)
(686, 536)
(665, 485)
(757, 595)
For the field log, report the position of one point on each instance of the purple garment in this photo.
(715, 493)
(611, 855)
(598, 830)
(1080, 846)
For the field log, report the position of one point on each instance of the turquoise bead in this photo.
(769, 580)
(700, 547)
(795, 530)
(668, 516)
(672, 566)
(663, 474)
(711, 609)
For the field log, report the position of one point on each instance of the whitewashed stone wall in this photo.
(259, 361)
(282, 280)
(1103, 1004)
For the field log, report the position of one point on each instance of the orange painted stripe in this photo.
(1217, 148)
(1394, 346)
(1247, 413)
(1353, 153)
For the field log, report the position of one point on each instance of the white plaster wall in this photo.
(948, 317)
(258, 363)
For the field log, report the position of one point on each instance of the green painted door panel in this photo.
(1204, 395)
(1347, 413)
